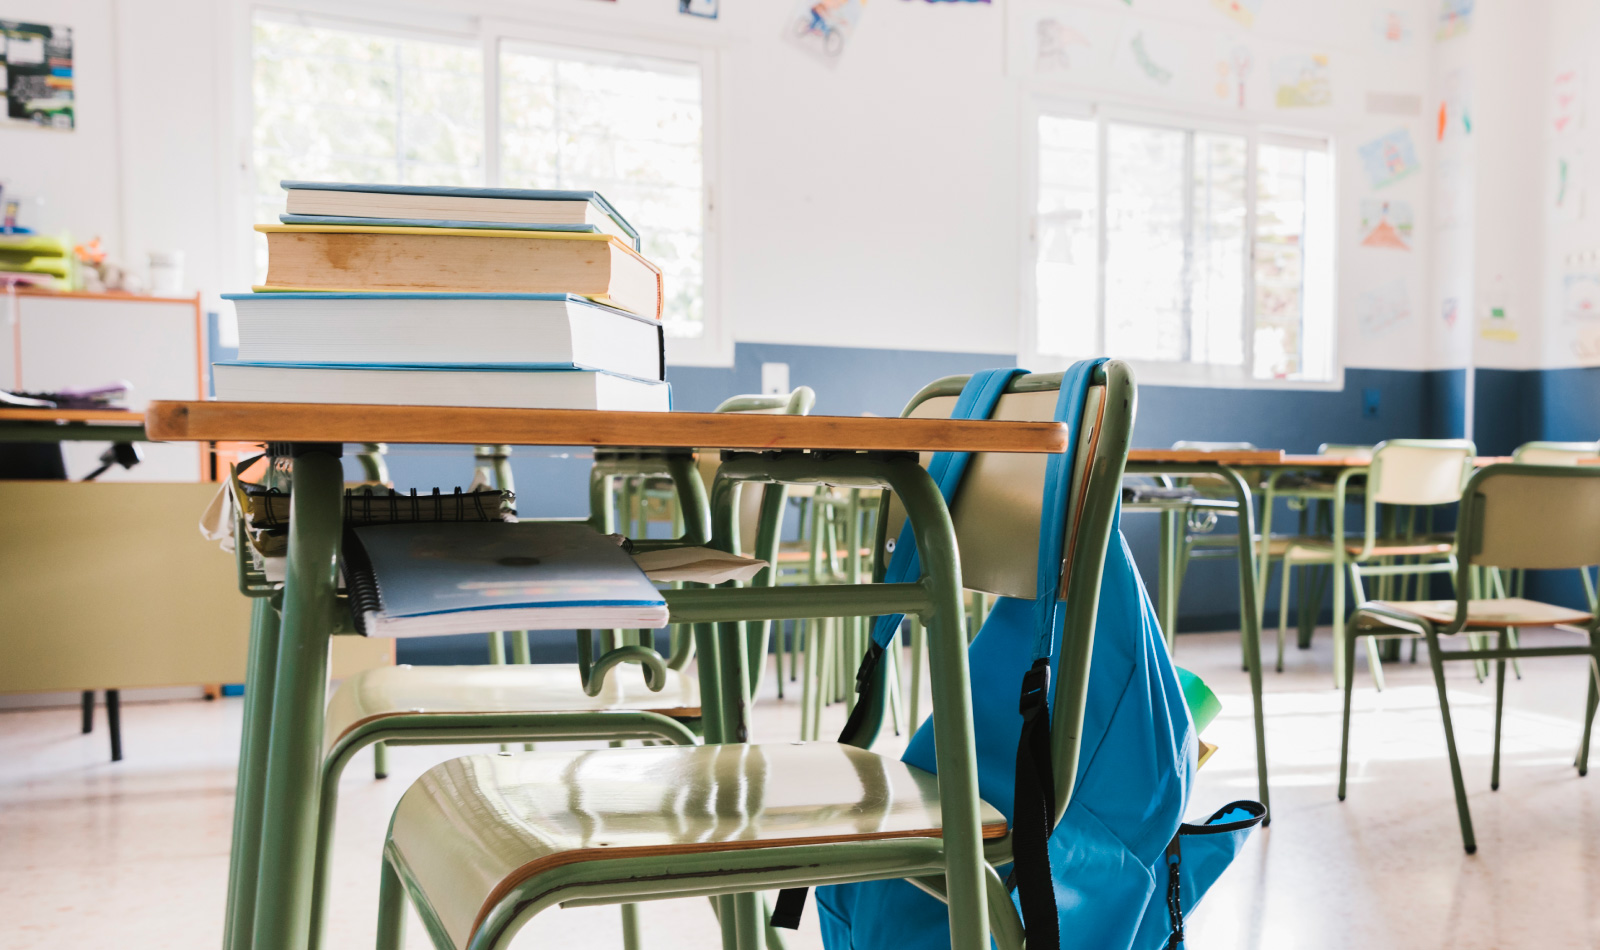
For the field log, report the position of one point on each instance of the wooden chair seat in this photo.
(1483, 614)
(473, 828)
(1318, 549)
(394, 691)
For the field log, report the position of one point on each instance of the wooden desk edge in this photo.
(208, 421)
(1192, 456)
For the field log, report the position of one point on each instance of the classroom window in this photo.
(336, 104)
(628, 127)
(1205, 252)
(340, 101)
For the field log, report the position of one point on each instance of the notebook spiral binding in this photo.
(363, 506)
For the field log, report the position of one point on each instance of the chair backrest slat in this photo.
(1536, 517)
(1419, 471)
(1554, 453)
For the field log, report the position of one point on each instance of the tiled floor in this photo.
(134, 855)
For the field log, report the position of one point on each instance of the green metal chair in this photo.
(1512, 517)
(483, 843)
(1415, 473)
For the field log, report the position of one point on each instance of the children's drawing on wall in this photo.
(1391, 29)
(699, 8)
(1233, 75)
(1580, 286)
(1389, 158)
(1380, 309)
(1454, 117)
(36, 71)
(1139, 48)
(1455, 17)
(1386, 224)
(1566, 113)
(1302, 81)
(1060, 46)
(1497, 325)
(1567, 200)
(1448, 310)
(1243, 12)
(824, 26)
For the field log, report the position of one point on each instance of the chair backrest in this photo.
(1554, 453)
(797, 403)
(1345, 450)
(1536, 517)
(1419, 471)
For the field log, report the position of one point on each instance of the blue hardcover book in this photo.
(423, 580)
(550, 330)
(479, 207)
(434, 223)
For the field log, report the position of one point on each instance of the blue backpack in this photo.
(1121, 867)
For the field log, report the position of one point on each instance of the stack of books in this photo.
(39, 260)
(409, 295)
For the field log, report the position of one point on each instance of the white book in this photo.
(493, 387)
(558, 330)
(559, 208)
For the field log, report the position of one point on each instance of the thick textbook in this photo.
(418, 580)
(541, 329)
(496, 386)
(449, 203)
(454, 260)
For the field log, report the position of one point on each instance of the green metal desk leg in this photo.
(244, 857)
(294, 756)
(1250, 623)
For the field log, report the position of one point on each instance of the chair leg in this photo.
(630, 927)
(88, 711)
(1374, 663)
(1349, 688)
(1284, 575)
(1582, 761)
(1499, 711)
(380, 760)
(391, 909)
(114, 722)
(919, 649)
(1435, 658)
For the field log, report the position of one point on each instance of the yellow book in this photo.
(460, 260)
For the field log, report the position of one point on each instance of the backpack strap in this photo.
(977, 401)
(1034, 802)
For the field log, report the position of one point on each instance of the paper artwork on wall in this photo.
(1566, 111)
(1454, 118)
(1407, 104)
(1455, 17)
(1381, 309)
(36, 71)
(699, 8)
(1448, 310)
(1567, 200)
(823, 27)
(1059, 46)
(1391, 29)
(1139, 48)
(1580, 295)
(1243, 12)
(1302, 81)
(1386, 224)
(1389, 158)
(1233, 69)
(1497, 324)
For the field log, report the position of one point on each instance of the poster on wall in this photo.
(1386, 224)
(1056, 40)
(1566, 112)
(1567, 199)
(1389, 158)
(36, 70)
(1381, 309)
(1234, 63)
(823, 27)
(1302, 81)
(1242, 11)
(1455, 17)
(1454, 118)
(1391, 30)
(706, 9)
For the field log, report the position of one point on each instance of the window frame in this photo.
(487, 26)
(1160, 372)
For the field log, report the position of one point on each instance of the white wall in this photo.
(877, 202)
(1571, 238)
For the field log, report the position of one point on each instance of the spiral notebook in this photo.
(422, 580)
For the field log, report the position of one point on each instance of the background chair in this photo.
(1512, 517)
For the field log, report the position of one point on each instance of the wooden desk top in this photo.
(71, 415)
(1241, 459)
(304, 422)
